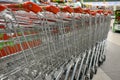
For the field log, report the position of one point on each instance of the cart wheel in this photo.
(104, 58)
(74, 78)
(91, 74)
(95, 70)
(87, 78)
(80, 77)
(101, 60)
(99, 63)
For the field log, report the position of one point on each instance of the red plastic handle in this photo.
(102, 11)
(68, 9)
(32, 7)
(87, 11)
(78, 10)
(15, 7)
(105, 13)
(2, 8)
(98, 11)
(110, 12)
(93, 13)
(52, 9)
(27, 6)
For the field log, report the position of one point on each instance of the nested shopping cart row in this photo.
(51, 43)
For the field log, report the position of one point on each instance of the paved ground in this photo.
(110, 70)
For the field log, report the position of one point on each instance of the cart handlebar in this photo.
(78, 10)
(30, 6)
(27, 6)
(93, 13)
(52, 9)
(2, 8)
(67, 9)
(87, 11)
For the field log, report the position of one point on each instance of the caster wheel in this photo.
(80, 77)
(100, 62)
(91, 74)
(87, 78)
(95, 70)
(104, 58)
(74, 79)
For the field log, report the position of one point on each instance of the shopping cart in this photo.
(22, 39)
(46, 43)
